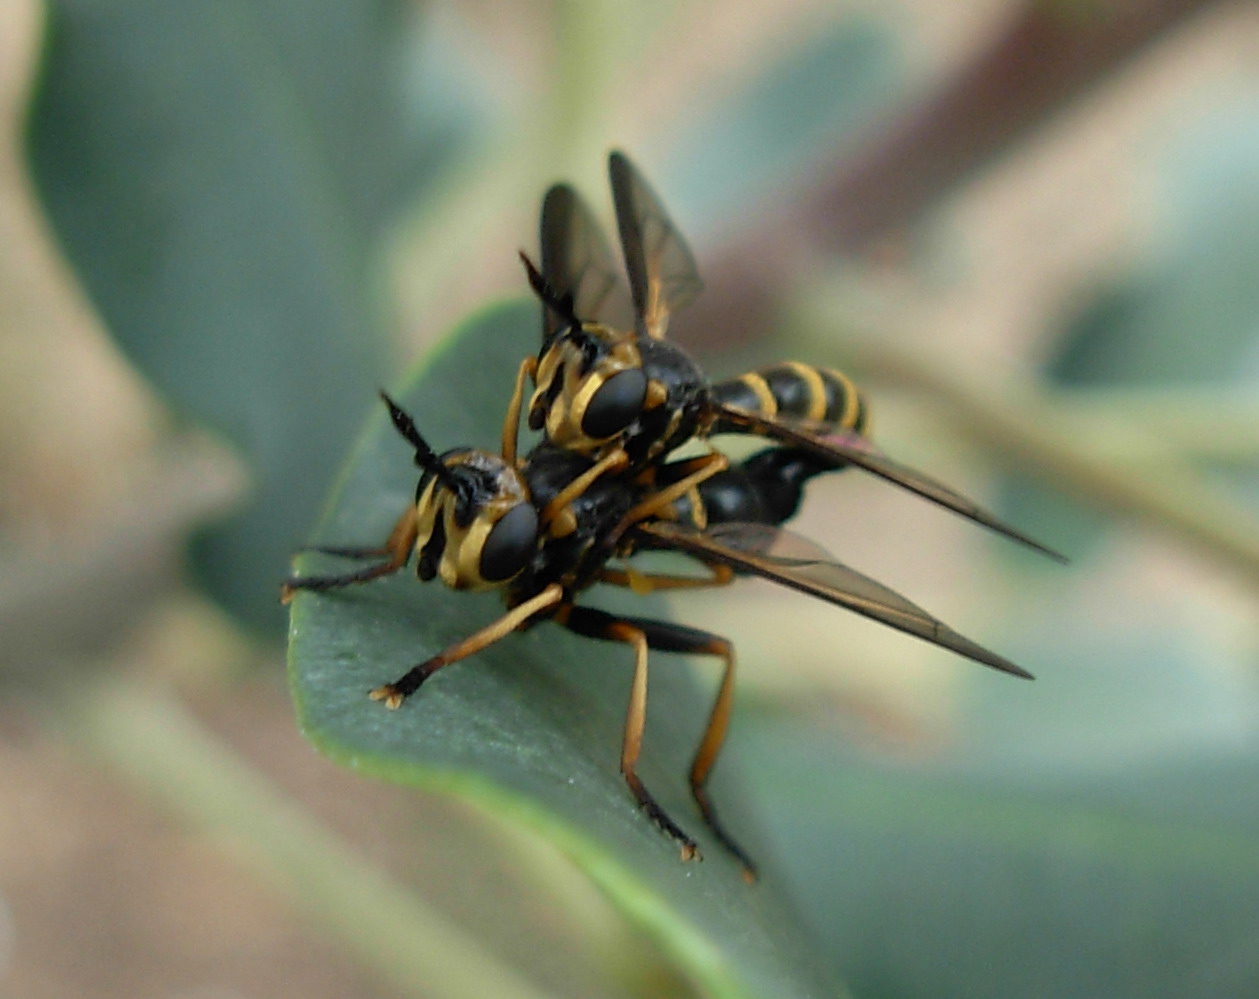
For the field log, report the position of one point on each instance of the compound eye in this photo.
(615, 405)
(509, 544)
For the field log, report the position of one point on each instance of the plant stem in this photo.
(1024, 426)
(1158, 424)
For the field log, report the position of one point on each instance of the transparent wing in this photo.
(849, 449)
(790, 560)
(577, 263)
(662, 273)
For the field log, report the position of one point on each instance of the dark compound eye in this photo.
(615, 405)
(510, 543)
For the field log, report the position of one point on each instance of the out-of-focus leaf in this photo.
(530, 728)
(216, 174)
(748, 146)
(1193, 315)
(1089, 834)
(1143, 883)
(1189, 317)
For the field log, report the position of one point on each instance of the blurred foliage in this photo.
(221, 188)
(235, 187)
(972, 881)
(1185, 317)
(746, 149)
(1188, 315)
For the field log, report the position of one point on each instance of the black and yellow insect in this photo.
(544, 529)
(625, 396)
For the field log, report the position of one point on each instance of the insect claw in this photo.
(390, 694)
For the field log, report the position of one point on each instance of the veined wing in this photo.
(790, 560)
(662, 273)
(846, 449)
(577, 263)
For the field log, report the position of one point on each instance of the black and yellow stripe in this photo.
(798, 392)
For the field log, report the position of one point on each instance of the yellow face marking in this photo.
(557, 421)
(658, 446)
(817, 390)
(543, 377)
(460, 565)
(565, 361)
(548, 366)
(426, 511)
(448, 567)
(467, 551)
(585, 393)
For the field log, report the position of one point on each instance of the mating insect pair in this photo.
(614, 403)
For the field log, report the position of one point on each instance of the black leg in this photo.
(397, 548)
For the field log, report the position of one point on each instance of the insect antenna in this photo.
(425, 457)
(561, 305)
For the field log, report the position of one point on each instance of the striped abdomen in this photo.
(796, 391)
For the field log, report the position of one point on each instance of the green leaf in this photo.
(1090, 834)
(216, 174)
(1188, 315)
(773, 128)
(1140, 881)
(1185, 316)
(531, 727)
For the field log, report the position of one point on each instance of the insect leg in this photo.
(511, 423)
(598, 624)
(643, 583)
(706, 467)
(393, 694)
(611, 462)
(397, 547)
(669, 637)
(347, 551)
(680, 470)
(715, 732)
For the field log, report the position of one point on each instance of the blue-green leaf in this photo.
(216, 174)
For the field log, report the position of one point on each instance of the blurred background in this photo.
(1030, 230)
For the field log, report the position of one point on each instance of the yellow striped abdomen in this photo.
(795, 391)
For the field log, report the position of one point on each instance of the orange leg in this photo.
(713, 739)
(667, 637)
(612, 462)
(511, 424)
(705, 468)
(393, 694)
